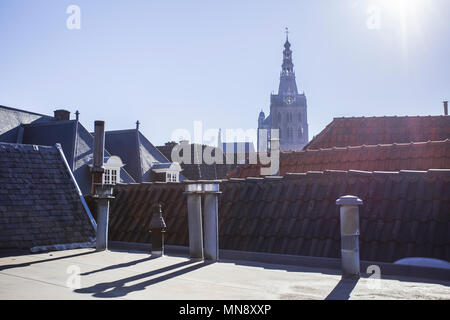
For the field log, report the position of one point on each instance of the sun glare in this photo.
(409, 16)
(407, 11)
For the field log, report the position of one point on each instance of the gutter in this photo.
(86, 208)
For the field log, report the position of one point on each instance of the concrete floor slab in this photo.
(87, 274)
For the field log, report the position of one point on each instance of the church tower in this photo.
(288, 108)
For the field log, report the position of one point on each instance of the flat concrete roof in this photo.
(136, 275)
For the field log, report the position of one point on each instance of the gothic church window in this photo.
(300, 132)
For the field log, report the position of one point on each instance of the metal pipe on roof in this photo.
(157, 228)
(194, 203)
(445, 108)
(211, 191)
(99, 143)
(349, 216)
(102, 193)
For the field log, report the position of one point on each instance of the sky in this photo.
(170, 63)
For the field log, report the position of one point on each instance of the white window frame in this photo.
(171, 177)
(110, 176)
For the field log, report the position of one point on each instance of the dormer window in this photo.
(112, 167)
(166, 172)
(110, 176)
(171, 177)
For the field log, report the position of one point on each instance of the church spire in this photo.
(219, 139)
(288, 85)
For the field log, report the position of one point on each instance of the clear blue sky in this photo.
(168, 63)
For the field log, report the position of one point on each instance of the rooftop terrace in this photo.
(133, 274)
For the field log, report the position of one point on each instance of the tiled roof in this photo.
(405, 214)
(39, 203)
(77, 143)
(136, 151)
(343, 132)
(387, 157)
(25, 127)
(200, 171)
(11, 119)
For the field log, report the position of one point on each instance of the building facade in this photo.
(288, 109)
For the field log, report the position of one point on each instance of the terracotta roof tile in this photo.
(342, 132)
(404, 214)
(384, 157)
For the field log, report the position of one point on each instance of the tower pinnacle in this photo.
(287, 79)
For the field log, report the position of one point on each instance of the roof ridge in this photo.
(119, 131)
(25, 147)
(25, 111)
(49, 123)
(380, 145)
(385, 117)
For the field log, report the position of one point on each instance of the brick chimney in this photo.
(62, 114)
(445, 108)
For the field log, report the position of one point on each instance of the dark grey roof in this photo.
(39, 202)
(136, 151)
(75, 140)
(50, 133)
(11, 119)
(161, 166)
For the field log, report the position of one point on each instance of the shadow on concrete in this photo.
(27, 264)
(402, 274)
(117, 288)
(343, 289)
(284, 267)
(121, 265)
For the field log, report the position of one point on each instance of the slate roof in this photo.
(344, 132)
(202, 171)
(11, 119)
(78, 146)
(136, 151)
(36, 129)
(405, 214)
(39, 203)
(387, 157)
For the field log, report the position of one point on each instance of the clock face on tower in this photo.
(289, 100)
